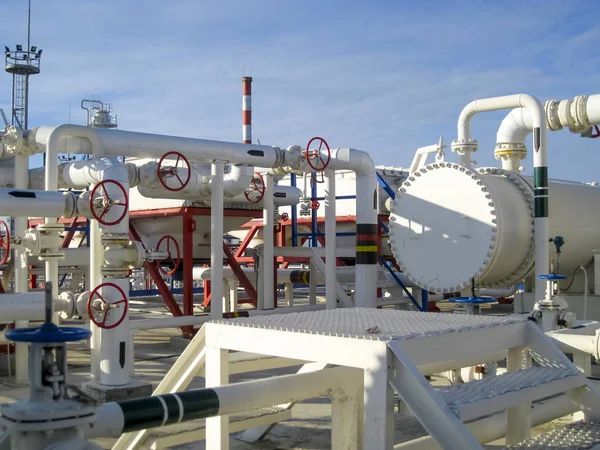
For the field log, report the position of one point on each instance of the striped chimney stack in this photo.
(247, 110)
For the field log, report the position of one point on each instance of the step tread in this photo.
(466, 394)
(198, 424)
(575, 436)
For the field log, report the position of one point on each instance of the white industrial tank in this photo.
(450, 223)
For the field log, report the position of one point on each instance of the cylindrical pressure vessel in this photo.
(450, 224)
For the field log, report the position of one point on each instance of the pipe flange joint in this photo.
(507, 150)
(462, 147)
(13, 142)
(580, 122)
(50, 241)
(114, 239)
(552, 117)
(114, 272)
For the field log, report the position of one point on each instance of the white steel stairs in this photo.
(536, 370)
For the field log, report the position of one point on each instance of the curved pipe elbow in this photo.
(352, 159)
(515, 127)
(84, 173)
(237, 180)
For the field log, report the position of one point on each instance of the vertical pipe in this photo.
(268, 264)
(96, 261)
(541, 222)
(247, 110)
(115, 343)
(366, 241)
(330, 241)
(293, 182)
(189, 226)
(21, 271)
(314, 222)
(216, 239)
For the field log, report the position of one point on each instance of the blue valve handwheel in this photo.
(552, 276)
(48, 333)
(474, 300)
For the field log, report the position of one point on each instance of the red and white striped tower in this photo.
(247, 110)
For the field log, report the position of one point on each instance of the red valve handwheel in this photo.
(170, 239)
(285, 217)
(4, 242)
(315, 205)
(166, 172)
(317, 155)
(596, 133)
(254, 187)
(99, 192)
(106, 307)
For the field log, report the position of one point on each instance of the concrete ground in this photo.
(309, 428)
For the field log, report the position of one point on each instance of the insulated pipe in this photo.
(216, 240)
(146, 145)
(366, 221)
(247, 110)
(494, 427)
(540, 168)
(21, 268)
(27, 307)
(283, 195)
(181, 321)
(330, 241)
(7, 172)
(52, 143)
(115, 418)
(268, 263)
(497, 293)
(24, 203)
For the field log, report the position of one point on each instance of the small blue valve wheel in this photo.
(473, 300)
(552, 277)
(48, 333)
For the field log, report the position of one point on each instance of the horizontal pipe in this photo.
(26, 306)
(116, 418)
(583, 339)
(146, 145)
(494, 427)
(34, 203)
(176, 322)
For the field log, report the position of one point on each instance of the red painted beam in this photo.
(189, 226)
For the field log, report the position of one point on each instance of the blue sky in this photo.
(383, 76)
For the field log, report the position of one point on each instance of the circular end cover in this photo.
(443, 227)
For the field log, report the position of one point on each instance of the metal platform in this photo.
(395, 349)
(373, 324)
(575, 436)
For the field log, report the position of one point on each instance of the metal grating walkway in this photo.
(373, 324)
(575, 436)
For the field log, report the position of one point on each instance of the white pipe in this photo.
(421, 156)
(113, 342)
(248, 395)
(216, 240)
(268, 263)
(498, 293)
(7, 172)
(366, 220)
(26, 307)
(540, 163)
(53, 148)
(584, 339)
(21, 274)
(283, 196)
(494, 427)
(330, 240)
(181, 321)
(24, 203)
(146, 145)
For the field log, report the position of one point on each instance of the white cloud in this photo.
(383, 76)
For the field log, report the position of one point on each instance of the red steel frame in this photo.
(189, 226)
